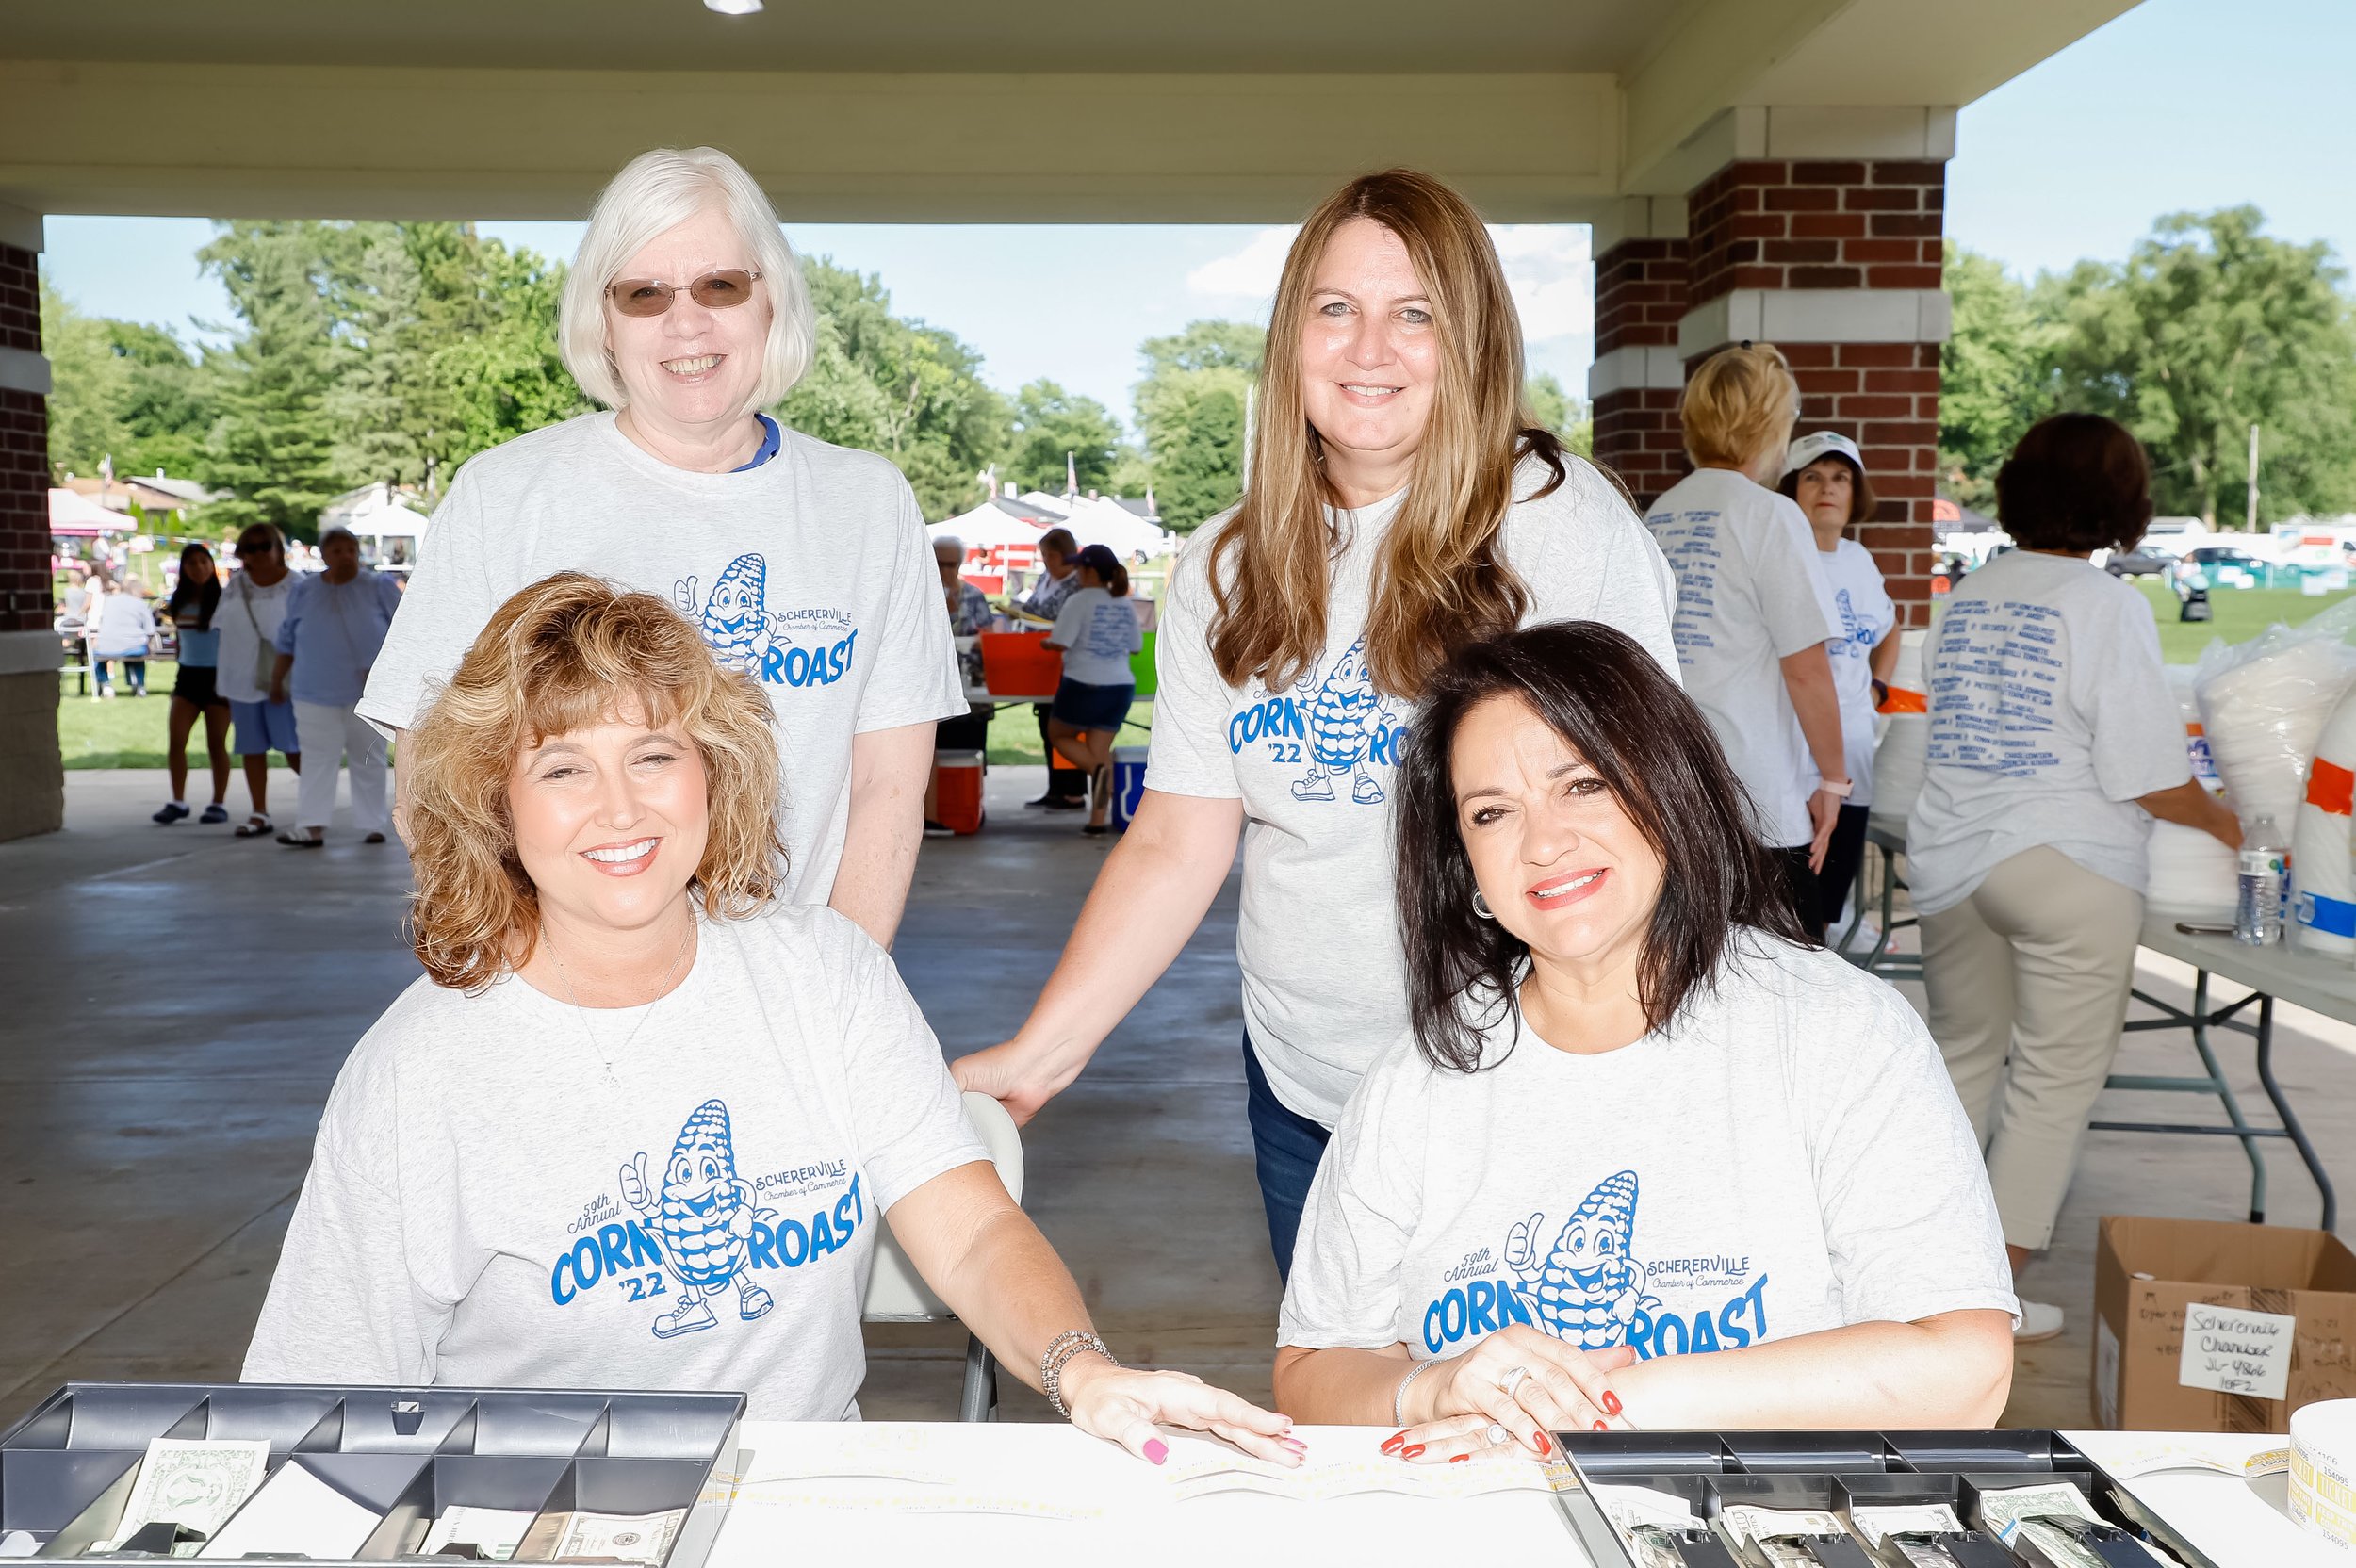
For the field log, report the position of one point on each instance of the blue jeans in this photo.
(1286, 1147)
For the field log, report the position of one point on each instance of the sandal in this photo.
(254, 826)
(301, 840)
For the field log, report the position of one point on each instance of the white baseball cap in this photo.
(1824, 443)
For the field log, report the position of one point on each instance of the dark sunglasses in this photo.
(725, 290)
(254, 549)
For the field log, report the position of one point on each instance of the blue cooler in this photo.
(1128, 783)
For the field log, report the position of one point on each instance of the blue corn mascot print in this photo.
(1589, 1289)
(704, 1212)
(735, 620)
(1345, 716)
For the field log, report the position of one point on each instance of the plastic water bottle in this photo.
(2258, 920)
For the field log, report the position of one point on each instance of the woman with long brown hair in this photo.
(1403, 503)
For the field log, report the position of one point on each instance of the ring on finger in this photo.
(1496, 1437)
(1514, 1380)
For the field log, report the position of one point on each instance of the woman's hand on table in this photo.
(1127, 1406)
(1517, 1379)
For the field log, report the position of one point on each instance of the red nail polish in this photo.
(1410, 1451)
(1391, 1444)
(1603, 1426)
(1610, 1403)
(1460, 1459)
(1542, 1446)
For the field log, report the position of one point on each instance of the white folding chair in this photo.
(897, 1294)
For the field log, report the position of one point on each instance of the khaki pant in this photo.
(2035, 965)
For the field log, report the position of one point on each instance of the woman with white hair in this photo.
(803, 564)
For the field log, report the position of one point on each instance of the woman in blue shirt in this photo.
(193, 695)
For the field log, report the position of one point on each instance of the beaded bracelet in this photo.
(1060, 1351)
(1399, 1394)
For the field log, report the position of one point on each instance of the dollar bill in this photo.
(641, 1538)
(2049, 1518)
(1878, 1523)
(193, 1483)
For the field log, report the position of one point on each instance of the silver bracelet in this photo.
(1399, 1394)
(1060, 1351)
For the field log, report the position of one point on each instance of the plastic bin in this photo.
(408, 1454)
(1016, 664)
(1834, 1472)
(957, 790)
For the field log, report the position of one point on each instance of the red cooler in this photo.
(957, 790)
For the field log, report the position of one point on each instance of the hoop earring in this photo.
(1481, 905)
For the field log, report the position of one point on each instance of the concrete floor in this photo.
(158, 1093)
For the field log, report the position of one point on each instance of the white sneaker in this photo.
(2039, 1320)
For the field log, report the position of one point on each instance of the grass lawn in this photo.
(1014, 734)
(128, 732)
(2237, 616)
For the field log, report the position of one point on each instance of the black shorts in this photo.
(194, 686)
(1084, 707)
(970, 733)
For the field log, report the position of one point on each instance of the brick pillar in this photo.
(32, 781)
(1633, 386)
(1837, 263)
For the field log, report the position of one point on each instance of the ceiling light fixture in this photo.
(732, 8)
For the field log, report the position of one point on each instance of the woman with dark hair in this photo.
(2054, 741)
(194, 695)
(1824, 474)
(1642, 1116)
(1404, 502)
(1096, 631)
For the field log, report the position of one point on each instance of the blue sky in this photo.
(2179, 103)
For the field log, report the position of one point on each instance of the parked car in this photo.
(2140, 562)
(2217, 566)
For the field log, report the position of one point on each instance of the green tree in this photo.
(119, 389)
(500, 374)
(272, 445)
(1198, 438)
(1566, 416)
(387, 409)
(1995, 374)
(1207, 346)
(893, 385)
(1050, 423)
(1190, 410)
(2210, 326)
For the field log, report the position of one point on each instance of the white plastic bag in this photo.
(2263, 706)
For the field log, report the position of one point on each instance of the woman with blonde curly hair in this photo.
(612, 972)
(1403, 503)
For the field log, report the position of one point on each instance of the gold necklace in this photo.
(604, 1057)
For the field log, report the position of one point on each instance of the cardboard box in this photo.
(2282, 1332)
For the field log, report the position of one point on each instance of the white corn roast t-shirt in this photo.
(1324, 982)
(1789, 1156)
(811, 572)
(485, 1206)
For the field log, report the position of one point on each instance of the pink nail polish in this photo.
(1156, 1450)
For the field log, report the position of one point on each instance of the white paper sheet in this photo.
(295, 1511)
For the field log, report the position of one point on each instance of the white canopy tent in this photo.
(1094, 520)
(989, 526)
(75, 515)
(379, 528)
